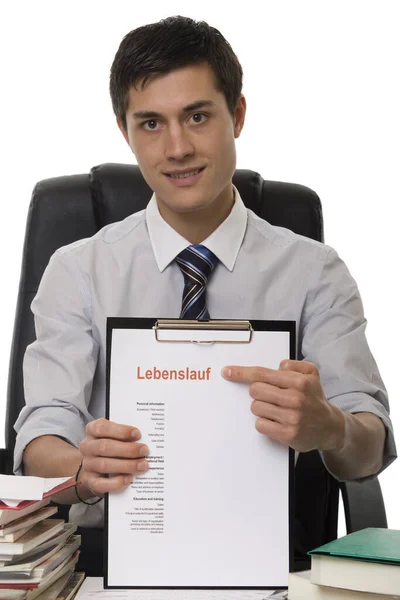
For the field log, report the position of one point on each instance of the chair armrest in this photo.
(363, 504)
(6, 462)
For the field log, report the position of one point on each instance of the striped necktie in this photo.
(196, 263)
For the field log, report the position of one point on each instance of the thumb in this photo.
(299, 366)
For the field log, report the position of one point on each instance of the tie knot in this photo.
(197, 261)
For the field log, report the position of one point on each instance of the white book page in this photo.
(212, 511)
(17, 488)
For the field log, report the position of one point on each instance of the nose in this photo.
(178, 145)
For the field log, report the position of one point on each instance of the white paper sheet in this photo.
(92, 589)
(212, 511)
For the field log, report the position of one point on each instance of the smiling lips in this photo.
(185, 178)
(183, 175)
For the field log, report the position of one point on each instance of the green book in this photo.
(365, 561)
(372, 544)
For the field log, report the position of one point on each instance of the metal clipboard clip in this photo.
(203, 332)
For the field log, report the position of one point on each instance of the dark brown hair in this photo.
(167, 45)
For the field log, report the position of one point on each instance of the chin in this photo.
(186, 207)
(185, 199)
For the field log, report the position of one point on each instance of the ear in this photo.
(239, 115)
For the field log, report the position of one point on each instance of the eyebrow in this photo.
(150, 114)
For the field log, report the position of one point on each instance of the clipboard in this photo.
(215, 508)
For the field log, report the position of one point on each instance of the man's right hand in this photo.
(111, 449)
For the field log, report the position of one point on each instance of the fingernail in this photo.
(127, 480)
(143, 451)
(136, 434)
(226, 372)
(142, 465)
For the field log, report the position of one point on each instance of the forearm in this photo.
(51, 456)
(359, 446)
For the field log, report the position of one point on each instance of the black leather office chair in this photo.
(65, 209)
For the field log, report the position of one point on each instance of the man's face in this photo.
(180, 124)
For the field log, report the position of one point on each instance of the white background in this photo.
(322, 85)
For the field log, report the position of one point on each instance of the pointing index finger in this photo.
(247, 374)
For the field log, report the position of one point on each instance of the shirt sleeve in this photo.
(332, 332)
(59, 366)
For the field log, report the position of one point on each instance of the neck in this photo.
(196, 225)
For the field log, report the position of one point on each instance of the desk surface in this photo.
(92, 589)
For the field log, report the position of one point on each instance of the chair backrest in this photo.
(65, 209)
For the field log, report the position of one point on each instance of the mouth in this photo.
(185, 174)
(185, 177)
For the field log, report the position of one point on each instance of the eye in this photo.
(199, 118)
(149, 125)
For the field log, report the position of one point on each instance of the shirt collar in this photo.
(225, 241)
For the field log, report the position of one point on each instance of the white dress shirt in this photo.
(128, 270)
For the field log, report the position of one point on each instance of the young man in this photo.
(176, 92)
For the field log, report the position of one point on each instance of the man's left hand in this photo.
(291, 406)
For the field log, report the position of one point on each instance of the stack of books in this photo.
(38, 552)
(364, 565)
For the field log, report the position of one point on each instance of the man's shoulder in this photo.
(132, 230)
(280, 237)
